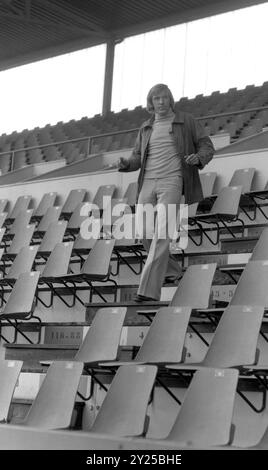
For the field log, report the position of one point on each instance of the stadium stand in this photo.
(206, 328)
(75, 140)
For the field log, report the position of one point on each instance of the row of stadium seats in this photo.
(26, 143)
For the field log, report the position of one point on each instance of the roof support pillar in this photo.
(108, 79)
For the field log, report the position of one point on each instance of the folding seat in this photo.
(87, 238)
(51, 215)
(205, 417)
(163, 343)
(21, 239)
(207, 180)
(22, 263)
(47, 201)
(123, 411)
(53, 235)
(103, 196)
(224, 210)
(22, 203)
(234, 343)
(56, 266)
(20, 304)
(80, 213)
(193, 290)
(95, 268)
(251, 289)
(53, 406)
(9, 373)
(3, 216)
(243, 177)
(259, 253)
(126, 244)
(3, 205)
(74, 197)
(23, 218)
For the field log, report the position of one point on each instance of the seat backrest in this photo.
(234, 342)
(89, 233)
(104, 191)
(207, 182)
(102, 339)
(52, 215)
(54, 403)
(47, 201)
(205, 416)
(243, 177)
(21, 204)
(3, 216)
(22, 219)
(80, 213)
(23, 261)
(123, 230)
(227, 201)
(194, 288)
(165, 339)
(2, 233)
(53, 235)
(98, 260)
(74, 197)
(123, 410)
(22, 238)
(58, 261)
(131, 193)
(9, 373)
(3, 205)
(252, 287)
(20, 301)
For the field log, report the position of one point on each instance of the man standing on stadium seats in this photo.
(170, 149)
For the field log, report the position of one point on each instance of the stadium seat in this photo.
(225, 209)
(47, 201)
(20, 304)
(9, 373)
(51, 215)
(95, 268)
(123, 411)
(22, 203)
(205, 417)
(74, 198)
(165, 339)
(53, 406)
(52, 236)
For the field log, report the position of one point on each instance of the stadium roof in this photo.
(36, 29)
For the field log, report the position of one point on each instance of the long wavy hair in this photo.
(156, 89)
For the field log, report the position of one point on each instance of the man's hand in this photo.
(192, 159)
(122, 163)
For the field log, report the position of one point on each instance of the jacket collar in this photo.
(178, 119)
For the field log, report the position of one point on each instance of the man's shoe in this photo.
(142, 298)
(173, 279)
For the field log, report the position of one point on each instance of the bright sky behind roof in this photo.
(215, 53)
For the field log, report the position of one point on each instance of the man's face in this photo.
(161, 103)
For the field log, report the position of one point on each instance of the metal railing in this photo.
(90, 139)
